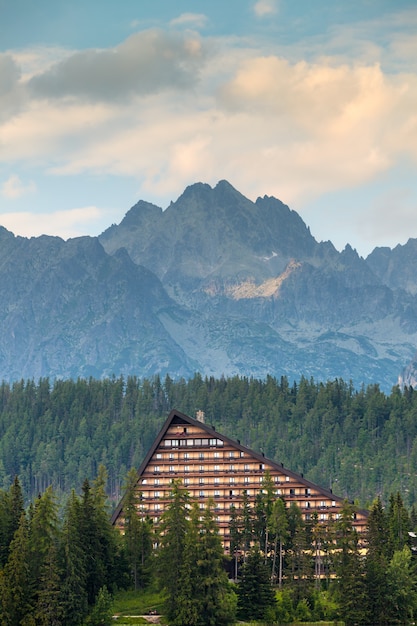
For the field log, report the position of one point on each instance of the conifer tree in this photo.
(188, 601)
(137, 533)
(11, 509)
(280, 530)
(43, 530)
(49, 610)
(350, 587)
(15, 590)
(235, 530)
(173, 530)
(376, 563)
(256, 598)
(73, 564)
(399, 523)
(216, 596)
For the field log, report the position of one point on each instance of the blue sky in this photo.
(105, 103)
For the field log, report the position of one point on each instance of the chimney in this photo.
(199, 416)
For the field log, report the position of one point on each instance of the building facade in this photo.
(213, 466)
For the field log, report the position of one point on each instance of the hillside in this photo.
(359, 443)
(215, 284)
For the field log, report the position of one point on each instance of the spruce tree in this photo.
(376, 563)
(16, 591)
(49, 610)
(216, 596)
(73, 565)
(137, 536)
(279, 526)
(173, 531)
(350, 587)
(256, 598)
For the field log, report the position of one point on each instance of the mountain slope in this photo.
(216, 283)
(68, 309)
(270, 298)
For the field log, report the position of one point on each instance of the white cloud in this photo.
(289, 128)
(263, 8)
(196, 20)
(13, 187)
(65, 224)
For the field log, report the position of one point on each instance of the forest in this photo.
(62, 565)
(362, 443)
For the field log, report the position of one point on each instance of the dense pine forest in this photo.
(61, 566)
(360, 442)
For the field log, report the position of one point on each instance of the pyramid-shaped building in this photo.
(211, 465)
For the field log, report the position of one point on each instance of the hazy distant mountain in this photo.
(215, 283)
(68, 309)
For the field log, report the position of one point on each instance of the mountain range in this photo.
(215, 284)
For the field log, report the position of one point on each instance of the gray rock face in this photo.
(216, 284)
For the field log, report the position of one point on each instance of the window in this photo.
(217, 468)
(186, 481)
(186, 468)
(157, 469)
(231, 468)
(201, 494)
(171, 469)
(186, 456)
(231, 454)
(246, 467)
(171, 456)
(246, 480)
(201, 468)
(156, 481)
(231, 479)
(157, 507)
(216, 455)
(242, 454)
(175, 443)
(216, 480)
(217, 493)
(307, 505)
(201, 456)
(159, 455)
(156, 494)
(307, 492)
(287, 479)
(292, 492)
(201, 481)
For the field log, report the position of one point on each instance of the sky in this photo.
(105, 103)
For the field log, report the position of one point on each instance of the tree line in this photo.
(284, 569)
(359, 442)
(61, 565)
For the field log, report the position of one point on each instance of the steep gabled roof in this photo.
(176, 417)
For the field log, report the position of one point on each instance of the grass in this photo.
(133, 603)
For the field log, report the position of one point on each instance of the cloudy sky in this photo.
(103, 103)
